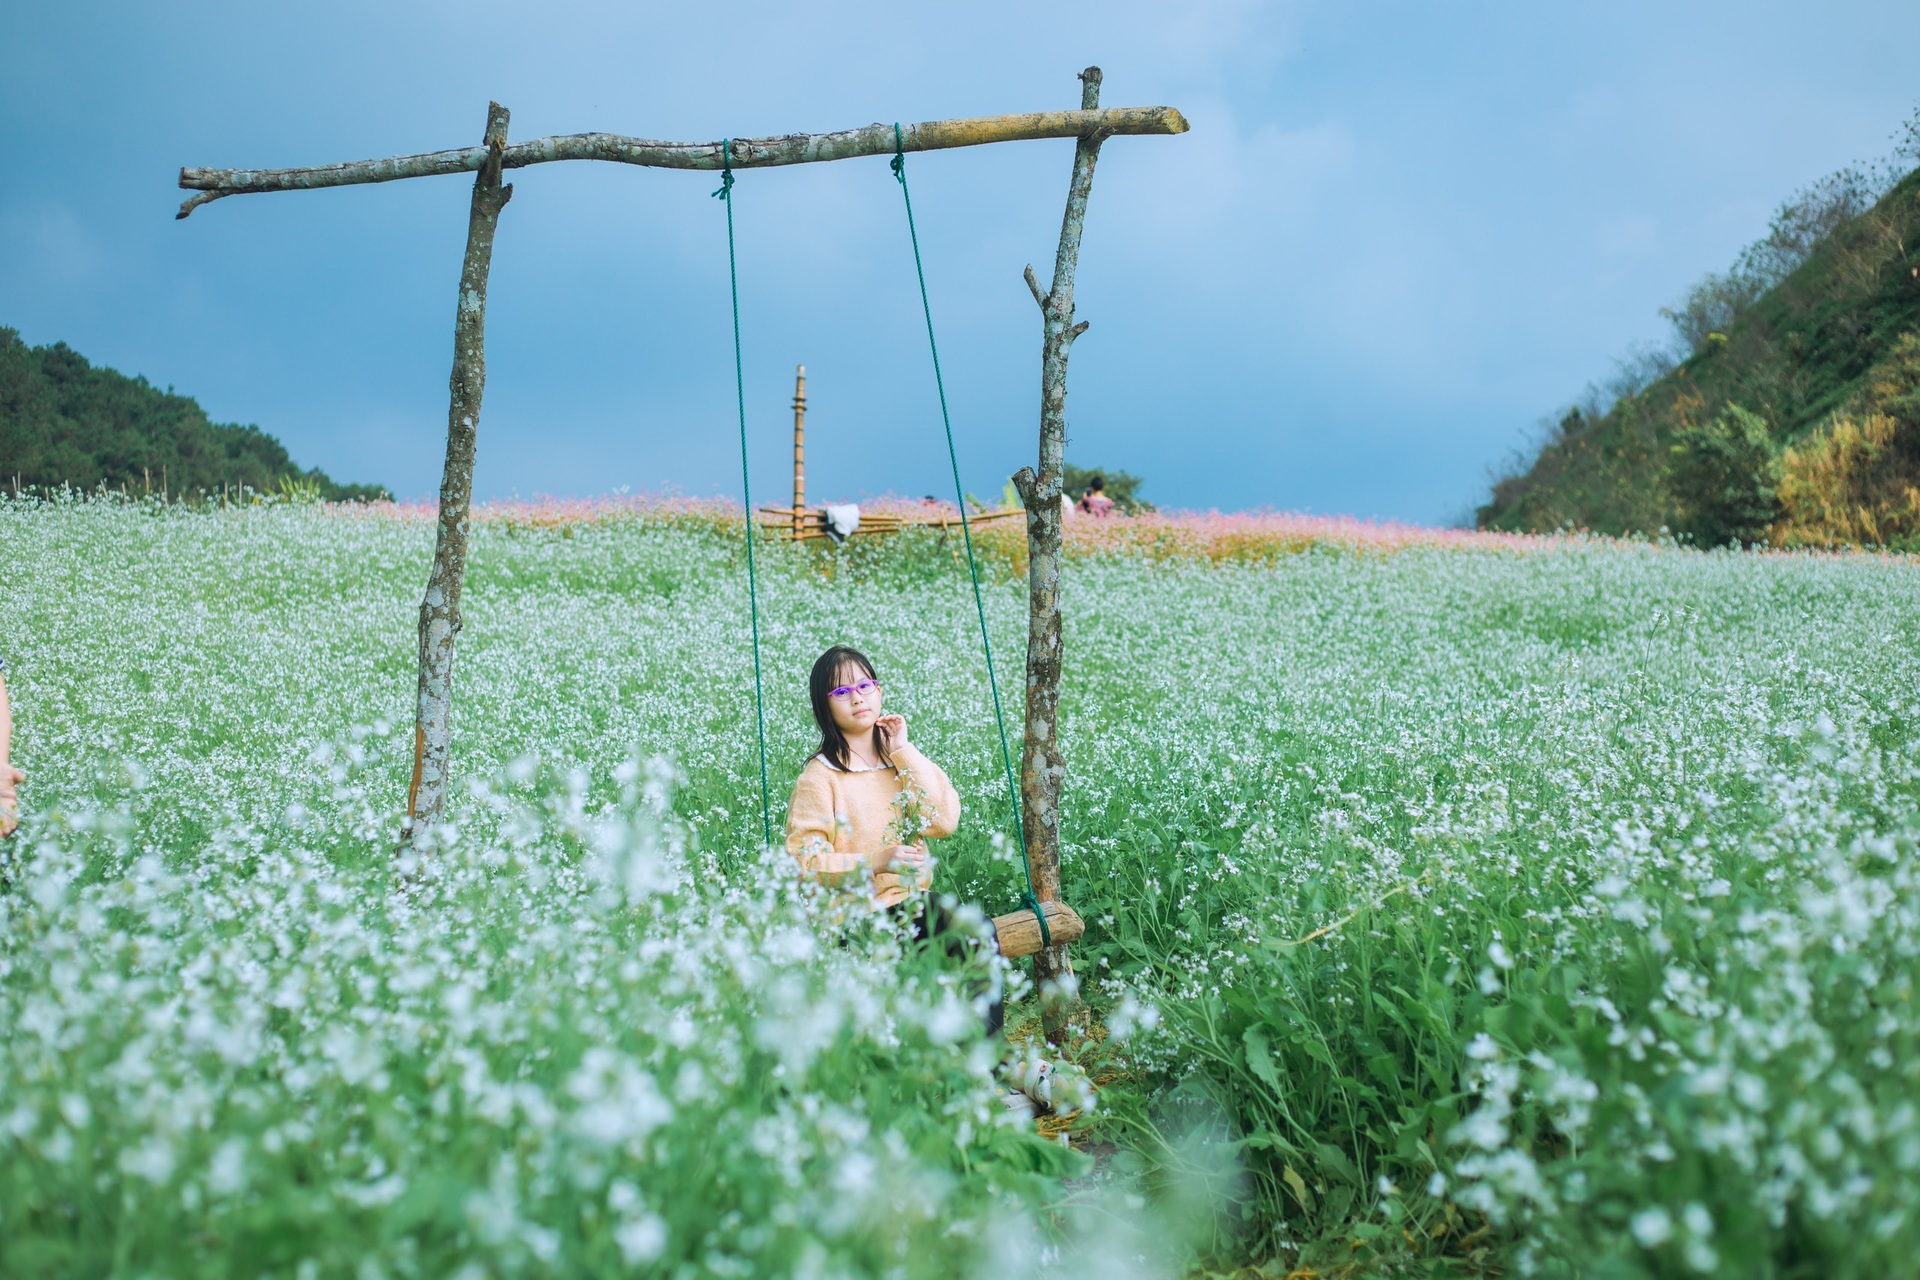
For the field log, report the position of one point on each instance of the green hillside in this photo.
(64, 421)
(1790, 411)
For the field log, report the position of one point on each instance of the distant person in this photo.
(10, 777)
(1095, 501)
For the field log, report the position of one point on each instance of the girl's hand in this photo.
(901, 858)
(893, 732)
(10, 778)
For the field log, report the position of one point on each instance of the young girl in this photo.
(10, 777)
(847, 823)
(849, 827)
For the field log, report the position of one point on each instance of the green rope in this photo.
(725, 196)
(1029, 899)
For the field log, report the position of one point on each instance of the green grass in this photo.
(1618, 841)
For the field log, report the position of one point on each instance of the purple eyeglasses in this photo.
(864, 688)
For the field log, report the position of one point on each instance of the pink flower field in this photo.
(1218, 536)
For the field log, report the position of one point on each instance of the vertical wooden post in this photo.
(799, 451)
(1043, 767)
(440, 609)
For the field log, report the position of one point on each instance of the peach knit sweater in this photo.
(838, 819)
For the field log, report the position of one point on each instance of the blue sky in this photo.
(1396, 237)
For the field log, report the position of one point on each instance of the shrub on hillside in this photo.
(1723, 475)
(1711, 306)
(1857, 480)
(1851, 483)
(1893, 387)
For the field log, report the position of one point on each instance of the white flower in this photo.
(950, 1020)
(619, 1101)
(1652, 1227)
(227, 1171)
(641, 1239)
(151, 1159)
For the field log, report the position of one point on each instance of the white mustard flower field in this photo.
(1536, 907)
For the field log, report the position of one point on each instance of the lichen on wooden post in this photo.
(440, 609)
(1043, 767)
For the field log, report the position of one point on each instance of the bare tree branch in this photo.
(205, 197)
(1033, 287)
(748, 153)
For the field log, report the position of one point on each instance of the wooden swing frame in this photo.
(1043, 767)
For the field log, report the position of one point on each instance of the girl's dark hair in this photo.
(1097, 484)
(820, 686)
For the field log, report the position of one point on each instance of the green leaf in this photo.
(1260, 1057)
(1336, 1161)
(1297, 1185)
(1315, 1049)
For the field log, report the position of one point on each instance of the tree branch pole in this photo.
(1043, 767)
(748, 153)
(440, 609)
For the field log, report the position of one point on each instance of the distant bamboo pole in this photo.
(799, 448)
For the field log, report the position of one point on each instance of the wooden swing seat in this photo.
(1019, 932)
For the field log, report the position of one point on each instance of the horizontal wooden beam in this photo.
(747, 153)
(814, 527)
(973, 517)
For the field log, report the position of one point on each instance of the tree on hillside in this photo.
(1856, 481)
(1723, 476)
(64, 421)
